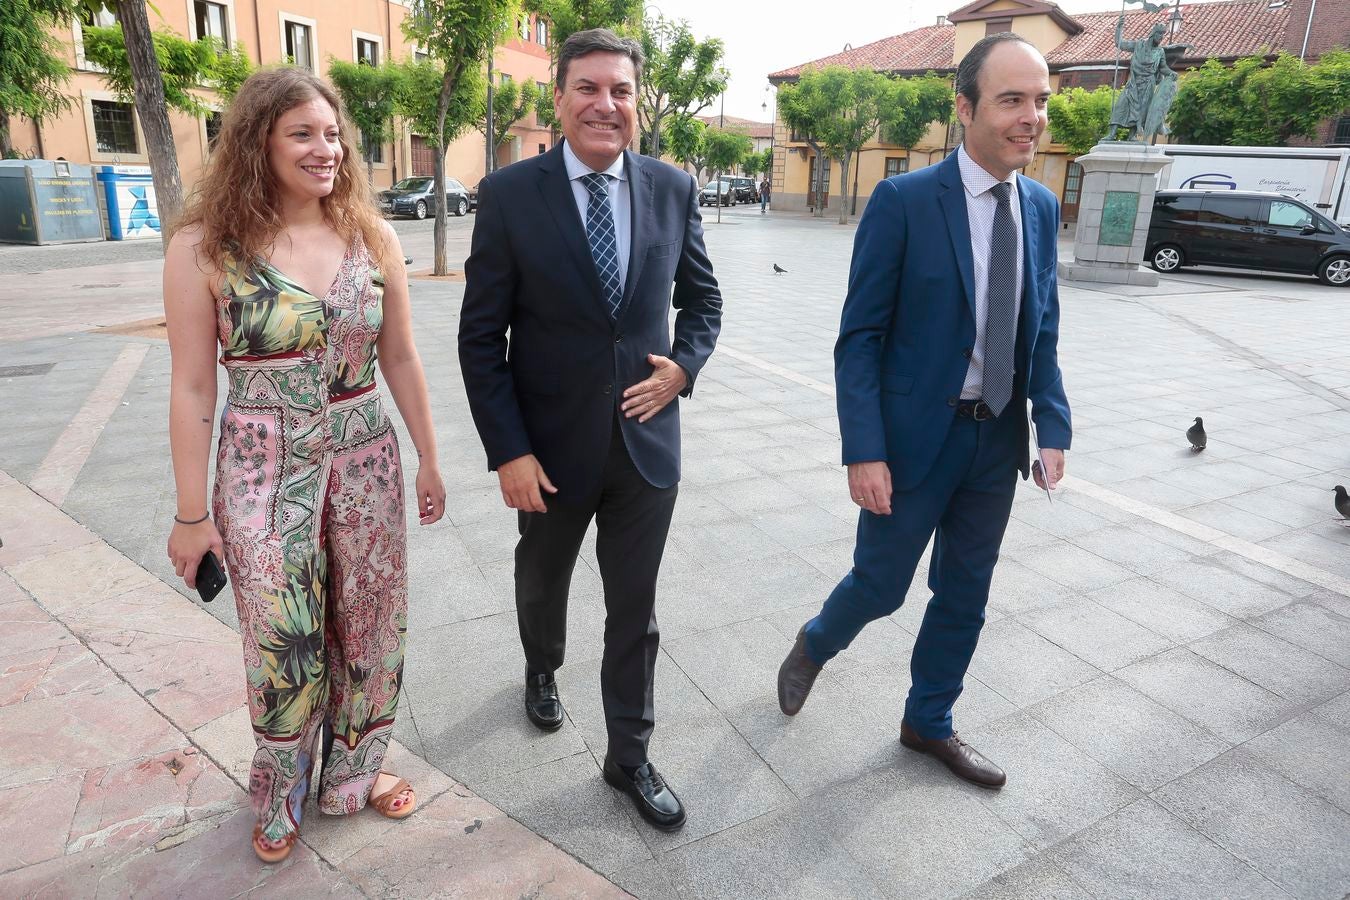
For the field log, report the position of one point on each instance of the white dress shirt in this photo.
(980, 207)
(619, 202)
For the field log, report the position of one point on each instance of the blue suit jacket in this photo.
(908, 324)
(544, 364)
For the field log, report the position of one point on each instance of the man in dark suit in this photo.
(949, 327)
(574, 254)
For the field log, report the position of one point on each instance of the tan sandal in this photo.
(384, 803)
(269, 855)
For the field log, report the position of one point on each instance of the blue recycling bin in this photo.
(127, 199)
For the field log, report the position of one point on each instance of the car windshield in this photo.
(413, 184)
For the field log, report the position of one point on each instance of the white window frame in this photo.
(87, 99)
(374, 39)
(77, 38)
(283, 18)
(229, 19)
(210, 107)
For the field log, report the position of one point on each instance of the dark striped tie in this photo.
(603, 239)
(1000, 324)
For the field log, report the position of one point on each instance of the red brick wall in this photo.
(1330, 28)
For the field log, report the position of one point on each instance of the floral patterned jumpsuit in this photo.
(309, 502)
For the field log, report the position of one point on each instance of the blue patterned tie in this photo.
(1000, 322)
(604, 241)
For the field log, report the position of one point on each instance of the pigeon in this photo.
(778, 270)
(1196, 435)
(1343, 504)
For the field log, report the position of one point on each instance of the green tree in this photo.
(147, 84)
(682, 76)
(368, 92)
(760, 164)
(684, 141)
(458, 35)
(185, 66)
(1078, 117)
(229, 70)
(511, 102)
(1258, 104)
(32, 63)
(566, 17)
(725, 149)
(840, 110)
(912, 105)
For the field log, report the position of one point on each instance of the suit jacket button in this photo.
(966, 353)
(951, 401)
(609, 389)
(618, 338)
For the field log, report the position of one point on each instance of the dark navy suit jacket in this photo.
(908, 323)
(543, 363)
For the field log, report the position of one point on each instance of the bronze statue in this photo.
(1142, 106)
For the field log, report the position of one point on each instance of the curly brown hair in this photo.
(235, 205)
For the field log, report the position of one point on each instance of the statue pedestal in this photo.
(1119, 179)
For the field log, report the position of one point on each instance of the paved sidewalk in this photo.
(1165, 670)
(126, 744)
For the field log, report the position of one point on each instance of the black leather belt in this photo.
(975, 409)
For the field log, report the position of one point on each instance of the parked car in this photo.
(745, 188)
(1246, 230)
(413, 197)
(473, 195)
(715, 190)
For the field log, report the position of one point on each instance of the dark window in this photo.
(367, 52)
(955, 132)
(1288, 215)
(997, 26)
(542, 149)
(1231, 210)
(506, 79)
(297, 45)
(896, 165)
(114, 127)
(1073, 184)
(1177, 207)
(213, 122)
(1342, 135)
(212, 21)
(420, 56)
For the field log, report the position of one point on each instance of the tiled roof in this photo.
(1237, 28)
(749, 126)
(924, 48)
(1224, 29)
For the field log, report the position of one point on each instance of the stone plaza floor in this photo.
(1164, 673)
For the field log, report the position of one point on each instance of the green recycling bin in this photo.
(46, 201)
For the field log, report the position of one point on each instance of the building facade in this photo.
(1081, 52)
(98, 128)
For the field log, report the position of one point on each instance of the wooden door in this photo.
(423, 157)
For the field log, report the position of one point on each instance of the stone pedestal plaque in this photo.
(1119, 178)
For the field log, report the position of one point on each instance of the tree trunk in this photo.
(5, 145)
(655, 148)
(440, 265)
(818, 208)
(153, 112)
(843, 187)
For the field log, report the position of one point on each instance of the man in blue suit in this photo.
(949, 328)
(572, 375)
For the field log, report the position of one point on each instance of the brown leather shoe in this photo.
(795, 676)
(964, 760)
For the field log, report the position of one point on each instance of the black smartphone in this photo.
(210, 577)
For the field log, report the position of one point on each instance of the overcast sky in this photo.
(805, 31)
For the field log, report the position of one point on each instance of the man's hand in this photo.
(869, 483)
(521, 480)
(1052, 460)
(647, 398)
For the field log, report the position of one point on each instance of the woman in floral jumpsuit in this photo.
(308, 507)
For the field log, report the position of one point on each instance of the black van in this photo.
(1246, 230)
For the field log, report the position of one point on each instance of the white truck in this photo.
(1319, 176)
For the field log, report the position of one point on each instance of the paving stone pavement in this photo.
(1164, 672)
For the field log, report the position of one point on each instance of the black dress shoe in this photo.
(796, 676)
(964, 760)
(651, 795)
(541, 701)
